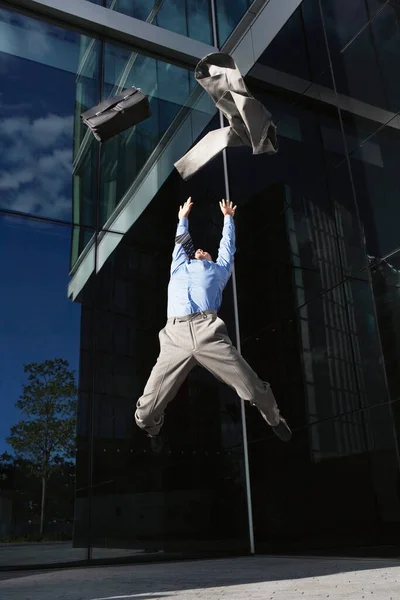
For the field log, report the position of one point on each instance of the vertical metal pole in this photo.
(214, 23)
(242, 405)
(237, 327)
(96, 218)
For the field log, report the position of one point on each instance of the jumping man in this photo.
(194, 334)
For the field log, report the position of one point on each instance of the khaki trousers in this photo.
(199, 338)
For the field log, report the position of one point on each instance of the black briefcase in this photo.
(117, 114)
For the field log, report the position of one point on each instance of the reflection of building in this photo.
(303, 300)
(332, 345)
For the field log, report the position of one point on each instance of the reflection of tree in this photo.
(44, 442)
(19, 487)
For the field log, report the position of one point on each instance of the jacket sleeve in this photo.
(179, 256)
(227, 247)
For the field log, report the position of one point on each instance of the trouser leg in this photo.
(174, 363)
(215, 352)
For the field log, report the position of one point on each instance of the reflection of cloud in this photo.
(36, 165)
(41, 132)
(12, 181)
(28, 202)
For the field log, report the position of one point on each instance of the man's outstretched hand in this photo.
(184, 210)
(227, 208)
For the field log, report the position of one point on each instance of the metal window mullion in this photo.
(96, 218)
(242, 404)
(237, 325)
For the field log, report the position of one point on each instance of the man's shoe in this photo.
(157, 443)
(282, 430)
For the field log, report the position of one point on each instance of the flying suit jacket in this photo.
(250, 122)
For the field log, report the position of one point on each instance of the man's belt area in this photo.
(191, 316)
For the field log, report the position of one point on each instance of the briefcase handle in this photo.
(104, 106)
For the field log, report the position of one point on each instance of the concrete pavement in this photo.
(250, 578)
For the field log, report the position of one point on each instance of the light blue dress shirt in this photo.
(197, 285)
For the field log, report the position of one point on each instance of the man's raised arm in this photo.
(227, 245)
(183, 249)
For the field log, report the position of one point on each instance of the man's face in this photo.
(201, 255)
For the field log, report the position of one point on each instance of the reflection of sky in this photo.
(37, 320)
(36, 141)
(38, 67)
(37, 103)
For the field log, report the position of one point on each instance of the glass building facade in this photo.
(86, 235)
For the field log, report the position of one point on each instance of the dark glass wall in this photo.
(317, 272)
(317, 303)
(191, 18)
(189, 499)
(40, 327)
(99, 493)
(228, 15)
(98, 191)
(124, 156)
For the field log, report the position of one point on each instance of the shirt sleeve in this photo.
(227, 247)
(179, 256)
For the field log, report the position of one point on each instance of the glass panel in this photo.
(374, 166)
(190, 498)
(307, 211)
(395, 406)
(348, 222)
(363, 56)
(344, 21)
(353, 41)
(327, 233)
(363, 324)
(386, 285)
(169, 88)
(299, 48)
(48, 76)
(320, 366)
(365, 68)
(288, 50)
(384, 468)
(85, 188)
(40, 379)
(302, 258)
(228, 16)
(187, 17)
